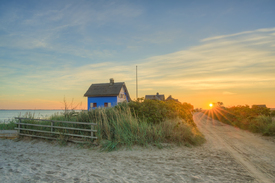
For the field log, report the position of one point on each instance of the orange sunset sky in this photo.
(198, 52)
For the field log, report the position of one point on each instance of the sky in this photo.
(197, 51)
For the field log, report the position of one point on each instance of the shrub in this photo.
(134, 123)
(157, 111)
(137, 123)
(255, 119)
(177, 131)
(9, 125)
(259, 123)
(142, 123)
(270, 129)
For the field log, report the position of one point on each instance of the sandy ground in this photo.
(230, 155)
(252, 152)
(8, 134)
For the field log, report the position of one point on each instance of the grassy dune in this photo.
(255, 119)
(136, 123)
(119, 126)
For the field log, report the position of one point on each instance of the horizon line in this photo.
(40, 109)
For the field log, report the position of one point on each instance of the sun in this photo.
(211, 105)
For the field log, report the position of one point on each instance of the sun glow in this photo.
(211, 105)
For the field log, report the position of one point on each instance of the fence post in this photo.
(19, 126)
(92, 133)
(52, 123)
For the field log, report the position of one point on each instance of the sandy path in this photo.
(40, 161)
(253, 153)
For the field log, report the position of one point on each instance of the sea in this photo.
(8, 115)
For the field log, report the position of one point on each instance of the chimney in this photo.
(157, 94)
(112, 81)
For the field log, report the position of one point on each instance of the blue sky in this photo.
(196, 51)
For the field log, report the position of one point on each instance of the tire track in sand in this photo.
(259, 171)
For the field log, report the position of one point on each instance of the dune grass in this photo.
(118, 127)
(8, 125)
(262, 124)
(255, 119)
(121, 126)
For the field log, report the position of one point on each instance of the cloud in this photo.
(228, 93)
(64, 27)
(158, 37)
(146, 89)
(240, 33)
(221, 64)
(240, 62)
(3, 96)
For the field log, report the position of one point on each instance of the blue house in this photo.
(107, 94)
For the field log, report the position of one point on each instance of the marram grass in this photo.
(256, 120)
(118, 127)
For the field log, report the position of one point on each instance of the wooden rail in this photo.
(53, 127)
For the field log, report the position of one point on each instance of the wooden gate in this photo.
(53, 128)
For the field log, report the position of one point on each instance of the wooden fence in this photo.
(52, 126)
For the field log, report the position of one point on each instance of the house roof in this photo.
(264, 106)
(155, 97)
(171, 98)
(106, 89)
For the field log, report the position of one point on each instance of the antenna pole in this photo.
(136, 83)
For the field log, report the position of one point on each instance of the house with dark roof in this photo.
(155, 97)
(259, 106)
(107, 94)
(171, 98)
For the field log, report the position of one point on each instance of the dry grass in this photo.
(118, 127)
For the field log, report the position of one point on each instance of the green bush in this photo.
(121, 128)
(259, 123)
(270, 129)
(141, 123)
(127, 124)
(155, 111)
(9, 125)
(255, 119)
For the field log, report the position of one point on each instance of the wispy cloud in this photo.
(240, 33)
(228, 93)
(65, 27)
(243, 61)
(220, 64)
(246, 61)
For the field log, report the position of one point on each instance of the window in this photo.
(107, 104)
(94, 104)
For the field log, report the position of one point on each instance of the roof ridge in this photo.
(105, 89)
(107, 83)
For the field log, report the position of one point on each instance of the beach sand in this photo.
(229, 155)
(40, 161)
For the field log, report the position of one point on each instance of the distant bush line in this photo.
(255, 119)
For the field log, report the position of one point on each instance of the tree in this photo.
(218, 104)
